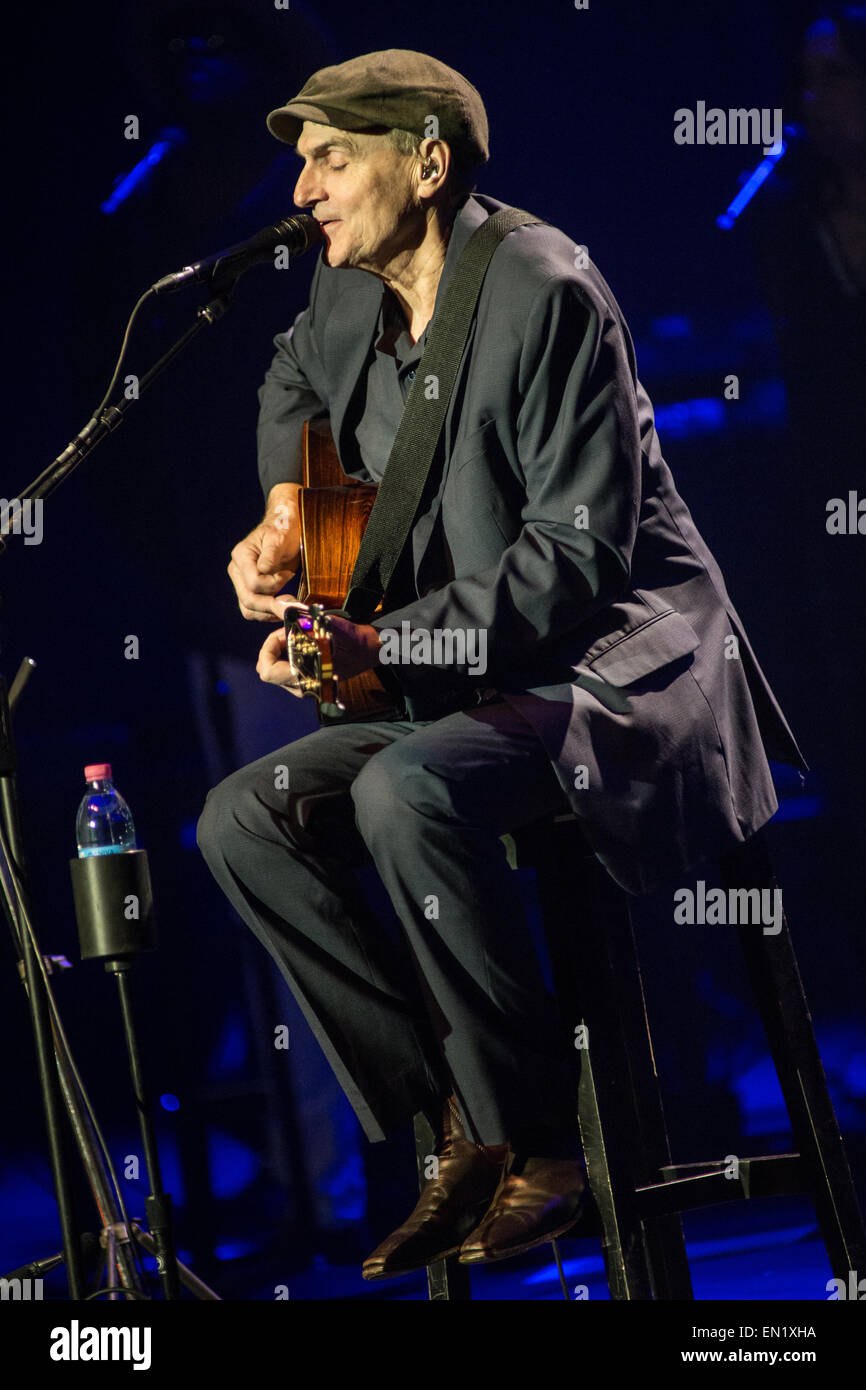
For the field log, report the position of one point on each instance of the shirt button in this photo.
(410, 376)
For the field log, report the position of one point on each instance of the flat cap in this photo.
(396, 88)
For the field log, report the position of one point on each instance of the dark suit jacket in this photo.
(557, 530)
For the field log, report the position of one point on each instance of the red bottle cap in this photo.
(97, 772)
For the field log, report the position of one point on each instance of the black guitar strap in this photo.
(414, 447)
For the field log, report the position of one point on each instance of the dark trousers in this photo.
(448, 995)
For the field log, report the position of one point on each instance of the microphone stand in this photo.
(16, 906)
(111, 416)
(58, 1078)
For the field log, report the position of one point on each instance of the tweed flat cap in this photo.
(396, 88)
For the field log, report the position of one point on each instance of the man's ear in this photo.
(435, 164)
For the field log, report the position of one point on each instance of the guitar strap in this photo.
(414, 448)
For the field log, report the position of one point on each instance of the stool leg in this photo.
(598, 982)
(775, 977)
(622, 1118)
(446, 1279)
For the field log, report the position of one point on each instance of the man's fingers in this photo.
(256, 615)
(262, 558)
(269, 581)
(271, 669)
(272, 647)
(283, 602)
(260, 566)
(277, 548)
(258, 609)
(255, 602)
(248, 577)
(272, 558)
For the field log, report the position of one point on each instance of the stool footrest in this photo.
(690, 1186)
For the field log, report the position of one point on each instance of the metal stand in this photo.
(58, 1077)
(104, 888)
(16, 909)
(114, 908)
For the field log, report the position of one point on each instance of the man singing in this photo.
(616, 678)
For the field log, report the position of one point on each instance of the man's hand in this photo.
(274, 665)
(356, 649)
(265, 560)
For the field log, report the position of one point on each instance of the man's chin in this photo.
(340, 253)
(338, 260)
(333, 255)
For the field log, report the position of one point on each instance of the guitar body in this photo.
(334, 510)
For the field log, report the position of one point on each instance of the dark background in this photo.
(263, 1154)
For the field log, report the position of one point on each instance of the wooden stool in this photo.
(639, 1193)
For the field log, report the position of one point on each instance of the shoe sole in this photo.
(476, 1216)
(411, 1269)
(484, 1259)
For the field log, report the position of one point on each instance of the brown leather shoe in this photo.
(537, 1199)
(450, 1206)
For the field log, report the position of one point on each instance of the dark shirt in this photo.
(391, 369)
(393, 363)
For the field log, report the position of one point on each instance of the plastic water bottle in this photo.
(104, 824)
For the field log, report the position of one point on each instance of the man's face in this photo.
(362, 190)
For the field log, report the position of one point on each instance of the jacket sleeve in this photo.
(288, 397)
(578, 444)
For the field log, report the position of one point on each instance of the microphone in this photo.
(297, 234)
(37, 1269)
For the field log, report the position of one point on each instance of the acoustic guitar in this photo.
(334, 510)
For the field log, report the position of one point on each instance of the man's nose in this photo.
(306, 191)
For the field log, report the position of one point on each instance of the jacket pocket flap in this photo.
(655, 643)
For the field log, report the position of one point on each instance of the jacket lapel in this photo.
(349, 334)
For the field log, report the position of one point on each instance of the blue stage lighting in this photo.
(726, 219)
(167, 140)
(233, 1165)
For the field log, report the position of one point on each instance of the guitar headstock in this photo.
(310, 647)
